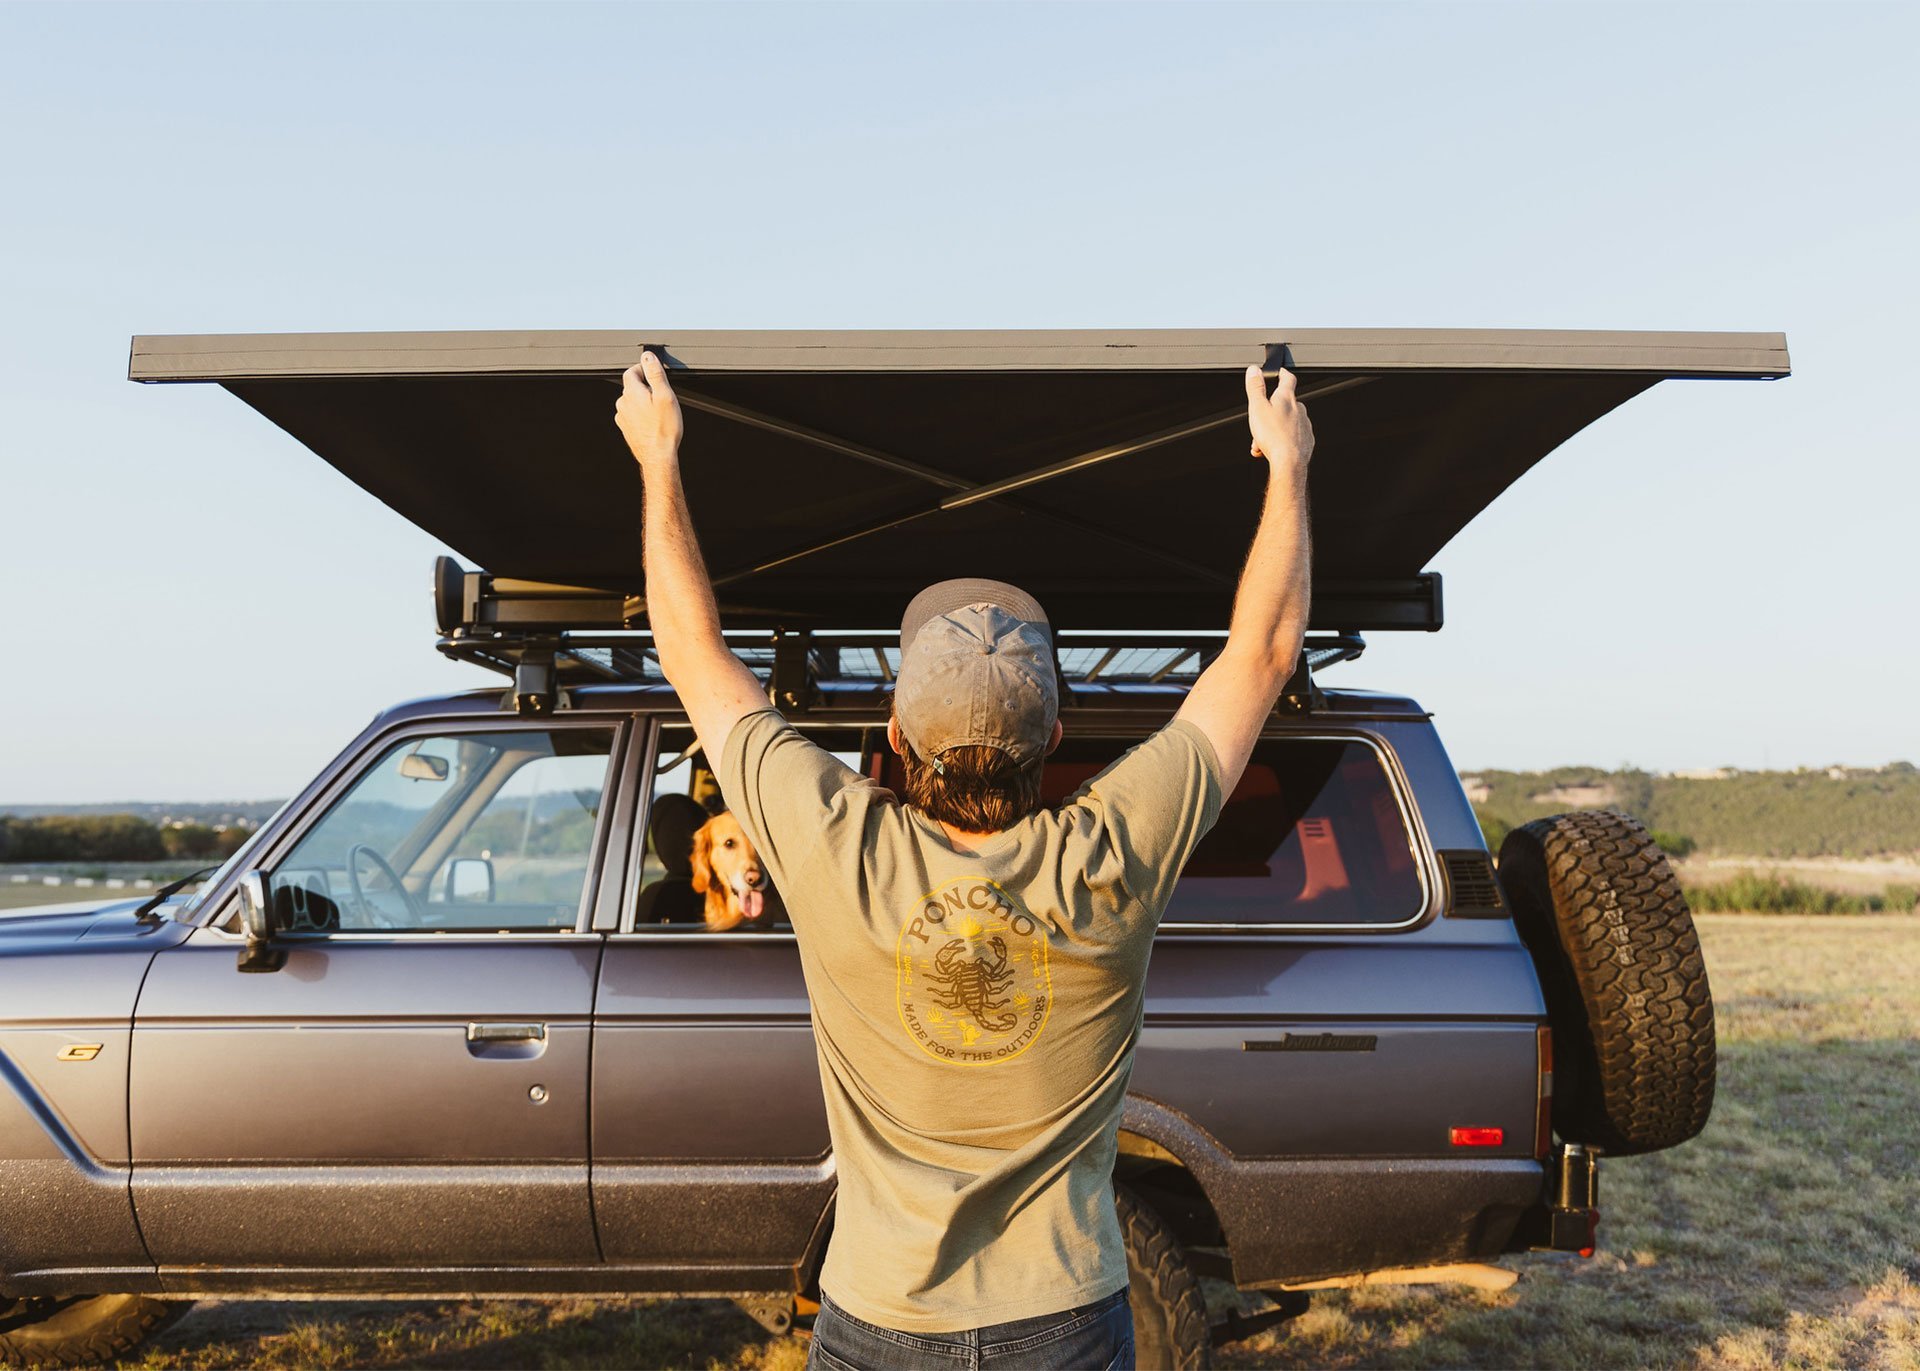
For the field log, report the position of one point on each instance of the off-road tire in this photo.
(1597, 904)
(81, 1330)
(1170, 1328)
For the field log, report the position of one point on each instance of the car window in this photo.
(1312, 835)
(699, 871)
(478, 832)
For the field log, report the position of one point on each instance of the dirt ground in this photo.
(1785, 1236)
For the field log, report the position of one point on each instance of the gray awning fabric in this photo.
(833, 474)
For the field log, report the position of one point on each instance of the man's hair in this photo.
(978, 789)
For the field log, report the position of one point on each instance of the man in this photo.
(975, 962)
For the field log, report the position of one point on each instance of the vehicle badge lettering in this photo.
(79, 1052)
(1313, 1042)
(971, 976)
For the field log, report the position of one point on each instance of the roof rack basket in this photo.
(547, 637)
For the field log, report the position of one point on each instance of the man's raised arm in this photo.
(715, 686)
(1233, 697)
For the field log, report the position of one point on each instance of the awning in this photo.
(832, 474)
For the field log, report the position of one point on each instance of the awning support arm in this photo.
(994, 490)
(860, 452)
(1100, 456)
(863, 453)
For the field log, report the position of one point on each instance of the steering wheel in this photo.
(373, 911)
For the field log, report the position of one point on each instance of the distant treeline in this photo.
(1747, 813)
(110, 838)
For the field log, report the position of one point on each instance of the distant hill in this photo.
(1831, 812)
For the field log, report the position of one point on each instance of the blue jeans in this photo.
(1094, 1337)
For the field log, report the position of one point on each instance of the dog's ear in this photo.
(703, 857)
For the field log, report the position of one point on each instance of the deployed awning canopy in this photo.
(833, 474)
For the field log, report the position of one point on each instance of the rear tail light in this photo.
(1476, 1137)
(1543, 1117)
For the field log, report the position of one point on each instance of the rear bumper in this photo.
(1288, 1220)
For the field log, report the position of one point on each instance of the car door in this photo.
(710, 1138)
(409, 1088)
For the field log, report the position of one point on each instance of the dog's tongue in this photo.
(752, 902)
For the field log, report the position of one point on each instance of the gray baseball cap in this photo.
(976, 670)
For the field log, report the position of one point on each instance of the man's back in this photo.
(976, 1011)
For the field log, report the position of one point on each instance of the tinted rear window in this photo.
(1312, 835)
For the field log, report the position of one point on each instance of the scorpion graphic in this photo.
(972, 983)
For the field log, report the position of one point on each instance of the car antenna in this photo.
(168, 891)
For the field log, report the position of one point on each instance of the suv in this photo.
(428, 1033)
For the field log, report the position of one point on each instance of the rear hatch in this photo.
(832, 474)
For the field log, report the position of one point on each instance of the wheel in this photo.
(1633, 1050)
(81, 1329)
(1170, 1328)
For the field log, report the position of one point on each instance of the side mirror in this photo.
(470, 881)
(256, 920)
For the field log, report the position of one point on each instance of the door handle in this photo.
(506, 1032)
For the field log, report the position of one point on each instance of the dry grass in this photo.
(1784, 1237)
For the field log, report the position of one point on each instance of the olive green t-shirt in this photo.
(975, 1015)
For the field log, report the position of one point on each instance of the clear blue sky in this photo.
(197, 608)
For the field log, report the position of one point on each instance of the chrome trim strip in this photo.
(460, 1021)
(563, 937)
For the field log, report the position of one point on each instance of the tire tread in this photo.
(1171, 1328)
(1600, 909)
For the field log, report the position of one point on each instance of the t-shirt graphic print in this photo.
(971, 974)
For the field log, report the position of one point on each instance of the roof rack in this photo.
(549, 637)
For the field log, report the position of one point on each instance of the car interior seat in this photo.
(672, 899)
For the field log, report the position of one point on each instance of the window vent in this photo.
(1473, 892)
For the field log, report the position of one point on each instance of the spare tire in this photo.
(1597, 904)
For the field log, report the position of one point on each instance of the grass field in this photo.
(1787, 1235)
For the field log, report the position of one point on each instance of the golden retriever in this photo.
(728, 871)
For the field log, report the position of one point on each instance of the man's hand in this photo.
(1281, 430)
(648, 412)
